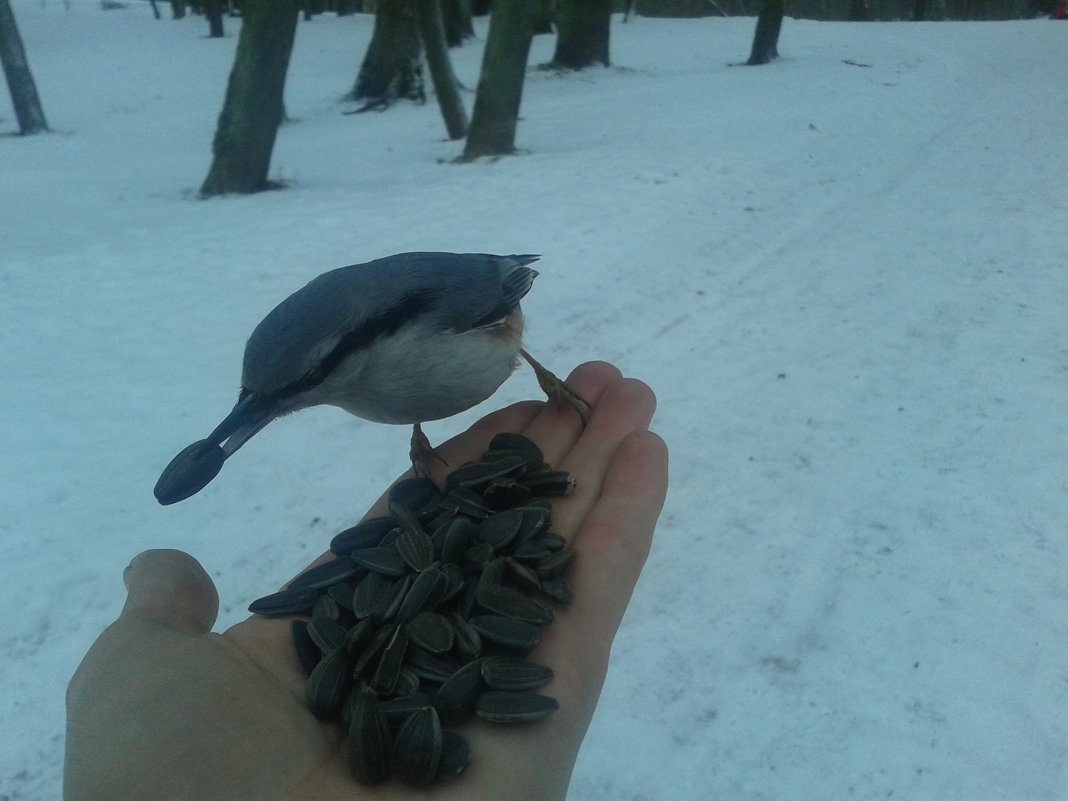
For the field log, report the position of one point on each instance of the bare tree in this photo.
(500, 83)
(766, 36)
(253, 108)
(19, 78)
(446, 88)
(583, 33)
(457, 17)
(392, 66)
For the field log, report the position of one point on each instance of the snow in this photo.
(845, 283)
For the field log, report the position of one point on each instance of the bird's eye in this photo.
(313, 378)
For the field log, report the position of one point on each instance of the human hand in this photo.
(161, 708)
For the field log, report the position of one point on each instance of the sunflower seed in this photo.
(369, 593)
(367, 534)
(325, 574)
(498, 706)
(500, 529)
(455, 578)
(514, 604)
(325, 608)
(476, 557)
(308, 653)
(371, 651)
(554, 563)
(455, 755)
(431, 631)
(380, 560)
(390, 603)
(456, 539)
(369, 741)
(287, 602)
(456, 697)
(475, 475)
(521, 445)
(427, 590)
(342, 594)
(407, 682)
(507, 632)
(509, 673)
(549, 482)
(557, 589)
(415, 548)
(414, 493)
(554, 542)
(466, 640)
(399, 709)
(386, 675)
(504, 492)
(417, 747)
(464, 501)
(433, 667)
(328, 635)
(328, 684)
(523, 575)
(531, 550)
(359, 635)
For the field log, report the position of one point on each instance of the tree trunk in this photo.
(858, 11)
(253, 109)
(432, 29)
(500, 83)
(919, 10)
(177, 9)
(457, 18)
(766, 37)
(392, 67)
(19, 78)
(583, 30)
(213, 11)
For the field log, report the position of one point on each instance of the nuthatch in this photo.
(404, 339)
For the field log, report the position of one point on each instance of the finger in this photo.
(616, 537)
(558, 426)
(172, 589)
(626, 406)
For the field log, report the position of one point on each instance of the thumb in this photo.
(171, 589)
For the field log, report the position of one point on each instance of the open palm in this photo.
(163, 708)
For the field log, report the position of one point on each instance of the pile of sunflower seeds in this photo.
(425, 616)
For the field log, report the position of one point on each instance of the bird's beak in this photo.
(195, 466)
(250, 414)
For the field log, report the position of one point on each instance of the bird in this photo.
(403, 339)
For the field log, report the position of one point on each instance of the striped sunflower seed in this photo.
(417, 748)
(388, 671)
(456, 696)
(308, 653)
(327, 634)
(514, 604)
(431, 631)
(367, 534)
(324, 575)
(415, 548)
(382, 560)
(512, 674)
(328, 684)
(369, 740)
(522, 446)
(499, 706)
(297, 601)
(455, 755)
(507, 631)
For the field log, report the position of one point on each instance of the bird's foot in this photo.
(421, 451)
(557, 389)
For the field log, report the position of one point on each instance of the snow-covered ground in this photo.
(843, 274)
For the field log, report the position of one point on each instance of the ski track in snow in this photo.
(846, 285)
